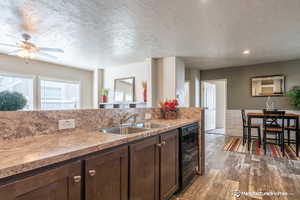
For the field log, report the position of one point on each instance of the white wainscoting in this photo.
(234, 121)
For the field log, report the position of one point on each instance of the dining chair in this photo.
(273, 125)
(253, 126)
(291, 127)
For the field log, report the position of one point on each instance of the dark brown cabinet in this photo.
(149, 171)
(144, 170)
(169, 165)
(61, 183)
(107, 175)
(154, 167)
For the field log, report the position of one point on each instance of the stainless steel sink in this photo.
(149, 125)
(123, 130)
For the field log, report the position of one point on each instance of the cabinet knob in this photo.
(77, 179)
(92, 172)
(163, 143)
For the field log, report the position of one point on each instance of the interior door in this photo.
(210, 104)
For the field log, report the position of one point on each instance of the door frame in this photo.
(226, 97)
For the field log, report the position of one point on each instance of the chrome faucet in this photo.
(127, 116)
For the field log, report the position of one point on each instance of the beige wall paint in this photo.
(238, 83)
(15, 65)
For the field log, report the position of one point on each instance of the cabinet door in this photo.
(62, 183)
(107, 175)
(144, 170)
(169, 165)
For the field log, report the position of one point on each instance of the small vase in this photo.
(104, 99)
(169, 114)
(145, 94)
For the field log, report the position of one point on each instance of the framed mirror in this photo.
(265, 86)
(124, 90)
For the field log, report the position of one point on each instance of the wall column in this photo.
(98, 84)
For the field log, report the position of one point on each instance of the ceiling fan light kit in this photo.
(26, 54)
(29, 50)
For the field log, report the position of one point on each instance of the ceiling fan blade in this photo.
(45, 55)
(15, 52)
(51, 49)
(13, 36)
(9, 45)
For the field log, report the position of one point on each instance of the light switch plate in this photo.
(148, 116)
(66, 124)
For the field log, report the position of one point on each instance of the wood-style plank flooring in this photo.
(228, 171)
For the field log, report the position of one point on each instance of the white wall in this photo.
(193, 77)
(15, 65)
(170, 73)
(139, 70)
(221, 104)
(151, 82)
(98, 80)
(166, 75)
(180, 81)
(165, 78)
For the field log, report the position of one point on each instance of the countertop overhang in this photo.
(23, 155)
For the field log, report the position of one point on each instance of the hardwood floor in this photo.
(228, 171)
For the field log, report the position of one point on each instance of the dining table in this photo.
(287, 116)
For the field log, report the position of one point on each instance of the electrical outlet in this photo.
(148, 116)
(66, 124)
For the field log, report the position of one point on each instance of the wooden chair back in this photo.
(274, 119)
(244, 118)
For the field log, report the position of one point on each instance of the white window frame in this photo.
(43, 78)
(36, 90)
(25, 76)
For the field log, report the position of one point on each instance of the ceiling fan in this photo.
(29, 50)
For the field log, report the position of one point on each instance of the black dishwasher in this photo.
(188, 147)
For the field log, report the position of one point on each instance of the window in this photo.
(59, 95)
(23, 85)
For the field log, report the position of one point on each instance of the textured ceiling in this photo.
(205, 33)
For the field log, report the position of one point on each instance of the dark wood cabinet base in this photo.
(107, 175)
(63, 183)
(143, 170)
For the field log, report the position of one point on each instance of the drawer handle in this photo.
(77, 179)
(159, 145)
(92, 172)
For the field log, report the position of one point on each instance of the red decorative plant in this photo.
(169, 109)
(169, 105)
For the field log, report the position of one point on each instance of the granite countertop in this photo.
(22, 155)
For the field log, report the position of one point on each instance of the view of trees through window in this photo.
(18, 84)
(54, 95)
